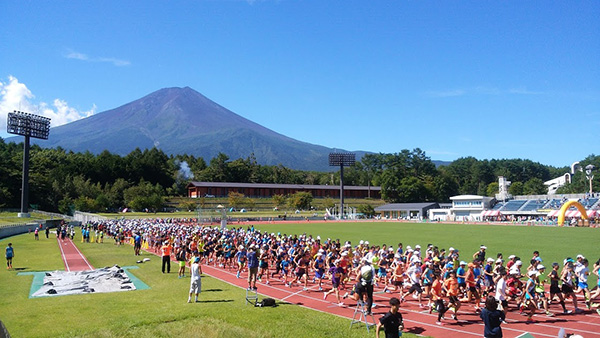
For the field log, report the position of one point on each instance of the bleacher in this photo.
(498, 206)
(588, 203)
(513, 205)
(554, 204)
(533, 205)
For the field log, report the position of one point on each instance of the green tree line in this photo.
(62, 180)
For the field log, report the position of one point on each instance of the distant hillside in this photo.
(181, 120)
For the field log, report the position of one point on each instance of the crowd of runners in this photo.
(439, 280)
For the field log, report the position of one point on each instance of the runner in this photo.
(336, 272)
(451, 289)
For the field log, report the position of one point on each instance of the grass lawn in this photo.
(7, 218)
(161, 311)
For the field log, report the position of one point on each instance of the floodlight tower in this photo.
(27, 125)
(589, 174)
(342, 159)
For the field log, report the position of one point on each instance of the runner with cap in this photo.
(582, 272)
(554, 288)
(460, 276)
(336, 272)
(240, 258)
(319, 268)
(196, 281)
(530, 295)
(451, 288)
(540, 290)
(567, 276)
(480, 255)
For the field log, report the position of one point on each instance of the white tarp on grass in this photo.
(59, 283)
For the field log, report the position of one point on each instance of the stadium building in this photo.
(266, 190)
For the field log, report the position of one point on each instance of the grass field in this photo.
(8, 218)
(162, 311)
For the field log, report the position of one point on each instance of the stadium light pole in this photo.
(589, 174)
(341, 159)
(27, 125)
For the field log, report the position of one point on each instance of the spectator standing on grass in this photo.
(196, 283)
(391, 322)
(165, 252)
(47, 232)
(492, 318)
(10, 254)
(36, 234)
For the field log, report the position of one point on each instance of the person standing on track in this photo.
(10, 254)
(165, 252)
(492, 318)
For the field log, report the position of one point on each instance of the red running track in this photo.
(73, 258)
(417, 320)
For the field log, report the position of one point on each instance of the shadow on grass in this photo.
(216, 301)
(21, 269)
(212, 290)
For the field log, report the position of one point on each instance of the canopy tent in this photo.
(573, 213)
(490, 213)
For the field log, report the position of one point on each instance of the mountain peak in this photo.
(183, 121)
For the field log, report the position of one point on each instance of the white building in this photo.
(464, 208)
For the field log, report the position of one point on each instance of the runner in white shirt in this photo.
(501, 290)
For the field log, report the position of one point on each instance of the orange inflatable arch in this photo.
(566, 206)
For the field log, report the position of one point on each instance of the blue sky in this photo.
(510, 79)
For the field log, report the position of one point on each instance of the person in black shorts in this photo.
(554, 288)
(391, 322)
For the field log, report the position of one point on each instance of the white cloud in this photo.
(15, 95)
(71, 54)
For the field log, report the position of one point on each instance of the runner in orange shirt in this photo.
(438, 298)
(451, 288)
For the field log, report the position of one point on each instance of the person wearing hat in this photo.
(530, 295)
(319, 268)
(451, 288)
(554, 288)
(240, 258)
(196, 282)
(540, 291)
(480, 255)
(366, 276)
(567, 278)
(336, 272)
(460, 276)
(488, 275)
(582, 272)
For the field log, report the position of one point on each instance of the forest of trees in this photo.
(64, 181)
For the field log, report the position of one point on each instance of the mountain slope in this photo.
(181, 120)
